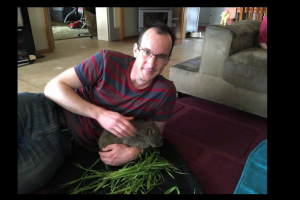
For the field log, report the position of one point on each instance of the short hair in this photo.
(160, 28)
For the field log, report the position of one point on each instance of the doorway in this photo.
(198, 18)
(113, 23)
(67, 23)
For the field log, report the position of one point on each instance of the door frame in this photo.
(49, 32)
(182, 23)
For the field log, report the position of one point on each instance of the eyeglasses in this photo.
(160, 58)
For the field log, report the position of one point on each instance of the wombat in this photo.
(147, 135)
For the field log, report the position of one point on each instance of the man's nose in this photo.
(152, 60)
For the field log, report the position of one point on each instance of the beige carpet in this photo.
(64, 32)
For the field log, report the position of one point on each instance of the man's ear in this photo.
(135, 49)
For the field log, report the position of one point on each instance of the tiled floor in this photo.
(34, 77)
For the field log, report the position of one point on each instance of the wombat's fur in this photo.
(147, 135)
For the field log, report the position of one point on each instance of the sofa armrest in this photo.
(222, 41)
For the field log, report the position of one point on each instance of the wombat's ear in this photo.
(151, 131)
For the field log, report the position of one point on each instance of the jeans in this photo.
(42, 147)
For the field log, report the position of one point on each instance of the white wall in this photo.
(204, 16)
(102, 23)
(216, 15)
(130, 21)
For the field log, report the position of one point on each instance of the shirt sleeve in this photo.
(262, 36)
(90, 71)
(164, 111)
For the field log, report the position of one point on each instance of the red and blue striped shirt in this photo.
(105, 77)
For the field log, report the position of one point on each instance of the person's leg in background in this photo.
(42, 147)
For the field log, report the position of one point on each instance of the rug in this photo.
(214, 140)
(64, 32)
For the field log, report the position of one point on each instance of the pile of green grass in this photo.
(136, 177)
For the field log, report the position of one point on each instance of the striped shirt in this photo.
(105, 77)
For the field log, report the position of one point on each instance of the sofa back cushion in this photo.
(222, 41)
(244, 34)
(247, 69)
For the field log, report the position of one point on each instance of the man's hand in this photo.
(116, 123)
(263, 45)
(118, 154)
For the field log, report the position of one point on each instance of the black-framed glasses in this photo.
(160, 58)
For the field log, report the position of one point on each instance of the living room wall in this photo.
(130, 21)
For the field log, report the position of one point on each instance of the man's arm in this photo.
(61, 90)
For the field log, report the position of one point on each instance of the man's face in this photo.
(149, 66)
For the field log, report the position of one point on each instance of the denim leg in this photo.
(42, 147)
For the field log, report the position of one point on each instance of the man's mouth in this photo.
(149, 71)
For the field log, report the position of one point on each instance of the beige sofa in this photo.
(232, 69)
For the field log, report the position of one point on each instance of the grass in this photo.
(136, 177)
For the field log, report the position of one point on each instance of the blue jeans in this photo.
(42, 147)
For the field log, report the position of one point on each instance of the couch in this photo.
(232, 69)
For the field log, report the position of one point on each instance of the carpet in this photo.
(64, 32)
(214, 140)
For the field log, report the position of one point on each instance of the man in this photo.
(111, 89)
